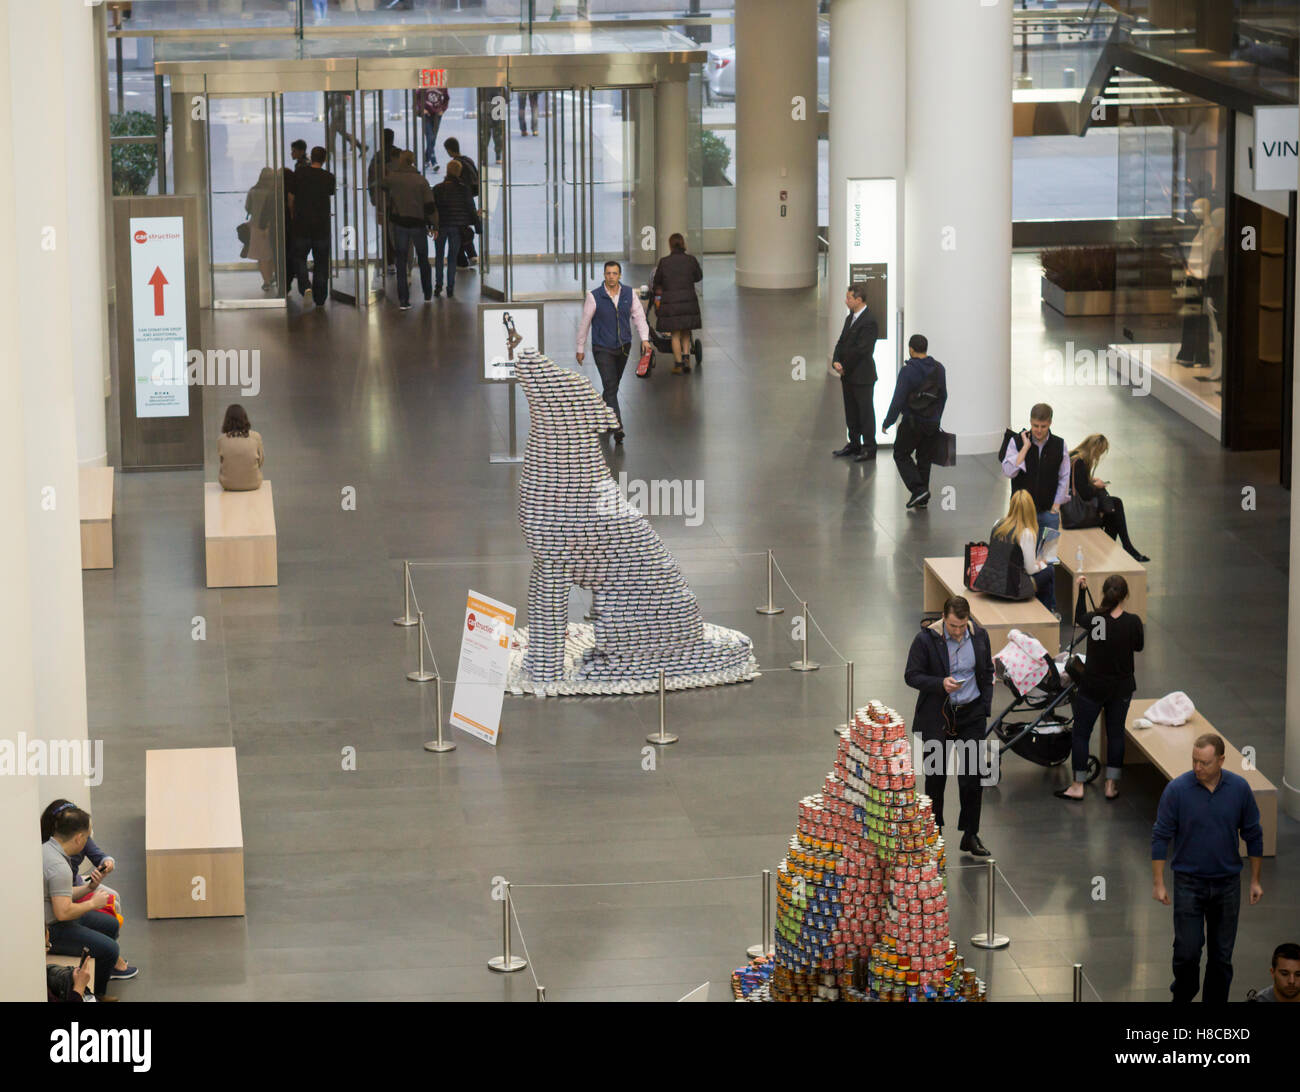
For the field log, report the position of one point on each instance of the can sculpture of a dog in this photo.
(582, 531)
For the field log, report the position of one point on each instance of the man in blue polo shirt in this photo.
(1203, 812)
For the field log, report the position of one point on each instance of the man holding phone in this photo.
(950, 665)
(68, 921)
(1038, 463)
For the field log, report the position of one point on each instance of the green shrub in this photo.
(710, 160)
(134, 165)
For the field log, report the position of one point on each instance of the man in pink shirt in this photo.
(609, 313)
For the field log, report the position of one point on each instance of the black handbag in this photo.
(1077, 513)
(1074, 665)
(244, 231)
(943, 449)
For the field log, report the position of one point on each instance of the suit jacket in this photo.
(927, 667)
(856, 349)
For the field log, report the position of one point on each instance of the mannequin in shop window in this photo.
(1195, 349)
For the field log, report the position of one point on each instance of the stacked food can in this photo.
(862, 910)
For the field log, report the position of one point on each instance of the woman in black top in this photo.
(1114, 635)
(1083, 468)
(677, 304)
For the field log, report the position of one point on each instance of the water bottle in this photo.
(1078, 556)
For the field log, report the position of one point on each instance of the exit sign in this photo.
(433, 77)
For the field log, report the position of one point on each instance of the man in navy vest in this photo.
(1041, 465)
(610, 312)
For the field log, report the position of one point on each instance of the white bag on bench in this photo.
(1173, 709)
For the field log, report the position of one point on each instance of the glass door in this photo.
(246, 201)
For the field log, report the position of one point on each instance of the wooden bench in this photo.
(95, 487)
(1102, 557)
(1169, 749)
(193, 831)
(239, 532)
(943, 577)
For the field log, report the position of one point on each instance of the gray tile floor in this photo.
(374, 884)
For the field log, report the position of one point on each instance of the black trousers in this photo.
(860, 413)
(610, 364)
(970, 734)
(915, 437)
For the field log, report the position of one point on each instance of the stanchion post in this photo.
(805, 664)
(764, 945)
(541, 993)
(662, 738)
(419, 674)
(990, 938)
(771, 607)
(1078, 982)
(439, 745)
(407, 619)
(506, 963)
(848, 699)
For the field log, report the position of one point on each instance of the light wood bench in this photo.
(943, 577)
(1169, 749)
(95, 487)
(239, 532)
(1102, 557)
(193, 831)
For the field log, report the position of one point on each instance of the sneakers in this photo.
(919, 500)
(403, 306)
(128, 972)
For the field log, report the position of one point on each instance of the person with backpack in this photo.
(1036, 460)
(917, 406)
(469, 178)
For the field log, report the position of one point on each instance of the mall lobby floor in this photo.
(374, 884)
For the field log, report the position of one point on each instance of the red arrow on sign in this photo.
(157, 280)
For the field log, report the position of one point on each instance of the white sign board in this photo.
(1277, 147)
(507, 332)
(481, 672)
(873, 257)
(158, 316)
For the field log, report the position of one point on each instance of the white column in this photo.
(958, 206)
(42, 657)
(671, 173)
(868, 65)
(190, 175)
(83, 132)
(776, 143)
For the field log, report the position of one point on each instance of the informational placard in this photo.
(873, 258)
(506, 330)
(158, 316)
(1277, 147)
(484, 662)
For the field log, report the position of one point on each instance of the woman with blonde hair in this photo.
(1088, 487)
(1020, 526)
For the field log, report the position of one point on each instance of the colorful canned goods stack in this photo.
(751, 982)
(862, 911)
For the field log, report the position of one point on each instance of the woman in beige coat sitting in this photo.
(240, 451)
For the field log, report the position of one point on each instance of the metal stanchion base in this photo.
(805, 665)
(667, 737)
(981, 940)
(440, 747)
(406, 621)
(505, 457)
(756, 950)
(421, 676)
(769, 609)
(498, 963)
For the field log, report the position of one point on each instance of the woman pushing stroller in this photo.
(677, 307)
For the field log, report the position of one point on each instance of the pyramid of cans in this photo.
(582, 531)
(862, 912)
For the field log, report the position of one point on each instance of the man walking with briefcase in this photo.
(919, 399)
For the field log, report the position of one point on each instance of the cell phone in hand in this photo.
(85, 955)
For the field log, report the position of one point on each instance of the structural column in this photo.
(42, 650)
(190, 175)
(958, 207)
(671, 172)
(776, 143)
(868, 140)
(1291, 743)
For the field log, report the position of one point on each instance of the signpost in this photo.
(481, 671)
(504, 331)
(873, 259)
(158, 316)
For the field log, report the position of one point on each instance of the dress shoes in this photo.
(971, 844)
(847, 449)
(866, 456)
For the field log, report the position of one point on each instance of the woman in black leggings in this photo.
(1084, 460)
(1114, 635)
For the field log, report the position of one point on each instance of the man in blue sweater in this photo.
(919, 398)
(1203, 812)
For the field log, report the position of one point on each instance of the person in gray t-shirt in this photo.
(1285, 970)
(76, 925)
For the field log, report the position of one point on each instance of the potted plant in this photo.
(1079, 280)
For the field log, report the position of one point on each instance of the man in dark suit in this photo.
(854, 362)
(950, 664)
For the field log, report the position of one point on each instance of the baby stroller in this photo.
(663, 343)
(1038, 725)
